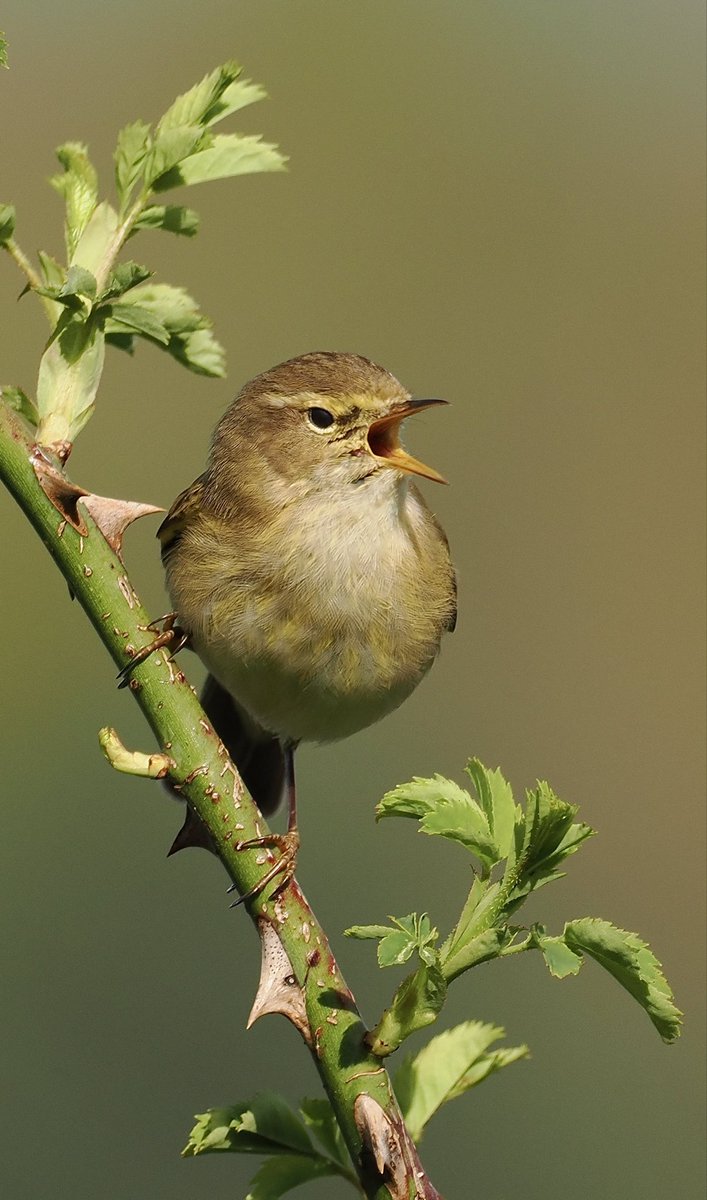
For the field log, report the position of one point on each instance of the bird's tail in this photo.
(259, 757)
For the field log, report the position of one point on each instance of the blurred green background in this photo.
(502, 203)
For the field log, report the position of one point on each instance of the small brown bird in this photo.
(308, 572)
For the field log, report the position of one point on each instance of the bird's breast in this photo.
(331, 619)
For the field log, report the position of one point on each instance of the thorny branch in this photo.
(299, 977)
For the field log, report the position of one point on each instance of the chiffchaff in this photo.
(306, 569)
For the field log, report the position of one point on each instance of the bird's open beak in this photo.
(384, 441)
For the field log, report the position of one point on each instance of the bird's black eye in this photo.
(320, 418)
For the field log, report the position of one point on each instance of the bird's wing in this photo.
(452, 623)
(174, 523)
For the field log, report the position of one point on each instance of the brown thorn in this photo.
(278, 990)
(113, 516)
(58, 490)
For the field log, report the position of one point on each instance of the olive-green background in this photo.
(501, 202)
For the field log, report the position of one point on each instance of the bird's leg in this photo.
(169, 632)
(287, 843)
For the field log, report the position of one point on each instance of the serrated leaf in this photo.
(20, 403)
(140, 320)
(173, 306)
(487, 1065)
(449, 1065)
(418, 797)
(3, 51)
(192, 107)
(463, 821)
(280, 1175)
(633, 964)
(7, 223)
(123, 278)
(129, 157)
(416, 1003)
(52, 271)
(399, 941)
(228, 154)
(496, 798)
(190, 339)
(544, 837)
(170, 147)
(79, 187)
(264, 1125)
(560, 959)
(173, 218)
(200, 352)
(78, 281)
(237, 95)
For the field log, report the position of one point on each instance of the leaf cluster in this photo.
(306, 1144)
(93, 300)
(518, 849)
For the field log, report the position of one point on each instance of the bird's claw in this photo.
(169, 633)
(288, 845)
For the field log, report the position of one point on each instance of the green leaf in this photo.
(79, 187)
(462, 820)
(280, 1175)
(3, 51)
(486, 1065)
(236, 96)
(625, 956)
(192, 107)
(476, 948)
(319, 1118)
(53, 272)
(367, 931)
(173, 306)
(265, 1125)
(189, 339)
(7, 223)
(97, 238)
(447, 1067)
(129, 157)
(169, 148)
(399, 941)
(561, 961)
(228, 154)
(544, 837)
(416, 1003)
(497, 802)
(140, 320)
(118, 339)
(20, 402)
(200, 352)
(123, 278)
(79, 282)
(69, 375)
(174, 218)
(419, 797)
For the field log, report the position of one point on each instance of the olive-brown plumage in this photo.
(313, 580)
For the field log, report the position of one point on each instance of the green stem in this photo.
(20, 258)
(209, 782)
(116, 244)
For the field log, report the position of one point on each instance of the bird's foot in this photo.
(169, 633)
(288, 845)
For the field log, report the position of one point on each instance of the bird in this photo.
(307, 571)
